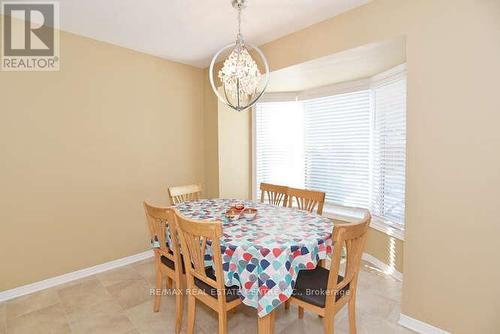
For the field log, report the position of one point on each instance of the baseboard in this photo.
(419, 326)
(383, 266)
(65, 278)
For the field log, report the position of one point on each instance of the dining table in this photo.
(264, 255)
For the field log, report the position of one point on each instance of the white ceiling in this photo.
(191, 31)
(358, 63)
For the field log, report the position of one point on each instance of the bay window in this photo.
(347, 140)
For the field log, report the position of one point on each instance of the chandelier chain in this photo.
(240, 37)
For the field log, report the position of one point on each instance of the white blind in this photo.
(337, 147)
(350, 145)
(389, 149)
(279, 144)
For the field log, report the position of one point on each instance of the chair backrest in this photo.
(195, 235)
(181, 194)
(162, 221)
(352, 236)
(308, 200)
(276, 195)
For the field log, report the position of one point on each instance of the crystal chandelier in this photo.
(241, 81)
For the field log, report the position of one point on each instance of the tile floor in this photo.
(119, 301)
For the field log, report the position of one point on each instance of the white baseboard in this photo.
(53, 281)
(383, 266)
(419, 326)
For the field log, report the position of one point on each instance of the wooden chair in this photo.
(309, 200)
(168, 261)
(204, 283)
(276, 195)
(181, 194)
(324, 291)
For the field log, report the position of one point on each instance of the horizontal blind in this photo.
(389, 149)
(337, 147)
(351, 145)
(279, 144)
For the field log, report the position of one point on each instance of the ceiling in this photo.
(358, 63)
(191, 31)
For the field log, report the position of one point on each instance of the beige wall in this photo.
(82, 147)
(453, 168)
(211, 139)
(385, 248)
(234, 132)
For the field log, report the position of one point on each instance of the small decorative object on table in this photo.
(233, 214)
(250, 213)
(238, 207)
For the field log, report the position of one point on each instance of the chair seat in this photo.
(232, 293)
(169, 263)
(311, 286)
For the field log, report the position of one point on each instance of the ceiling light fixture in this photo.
(241, 81)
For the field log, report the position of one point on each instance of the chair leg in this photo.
(169, 283)
(287, 305)
(222, 322)
(156, 306)
(191, 314)
(301, 312)
(352, 316)
(328, 325)
(179, 305)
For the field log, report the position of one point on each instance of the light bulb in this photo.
(240, 74)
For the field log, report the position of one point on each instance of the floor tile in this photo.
(207, 321)
(146, 269)
(79, 298)
(29, 303)
(118, 275)
(133, 331)
(147, 321)
(288, 322)
(48, 320)
(368, 324)
(2, 318)
(130, 293)
(102, 322)
(104, 317)
(106, 307)
(370, 303)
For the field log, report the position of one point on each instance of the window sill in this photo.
(376, 223)
(380, 225)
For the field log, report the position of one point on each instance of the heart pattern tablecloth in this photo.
(263, 256)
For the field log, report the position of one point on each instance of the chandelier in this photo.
(240, 79)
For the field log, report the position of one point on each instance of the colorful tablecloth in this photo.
(263, 256)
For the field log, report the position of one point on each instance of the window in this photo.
(337, 147)
(349, 143)
(279, 145)
(389, 149)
